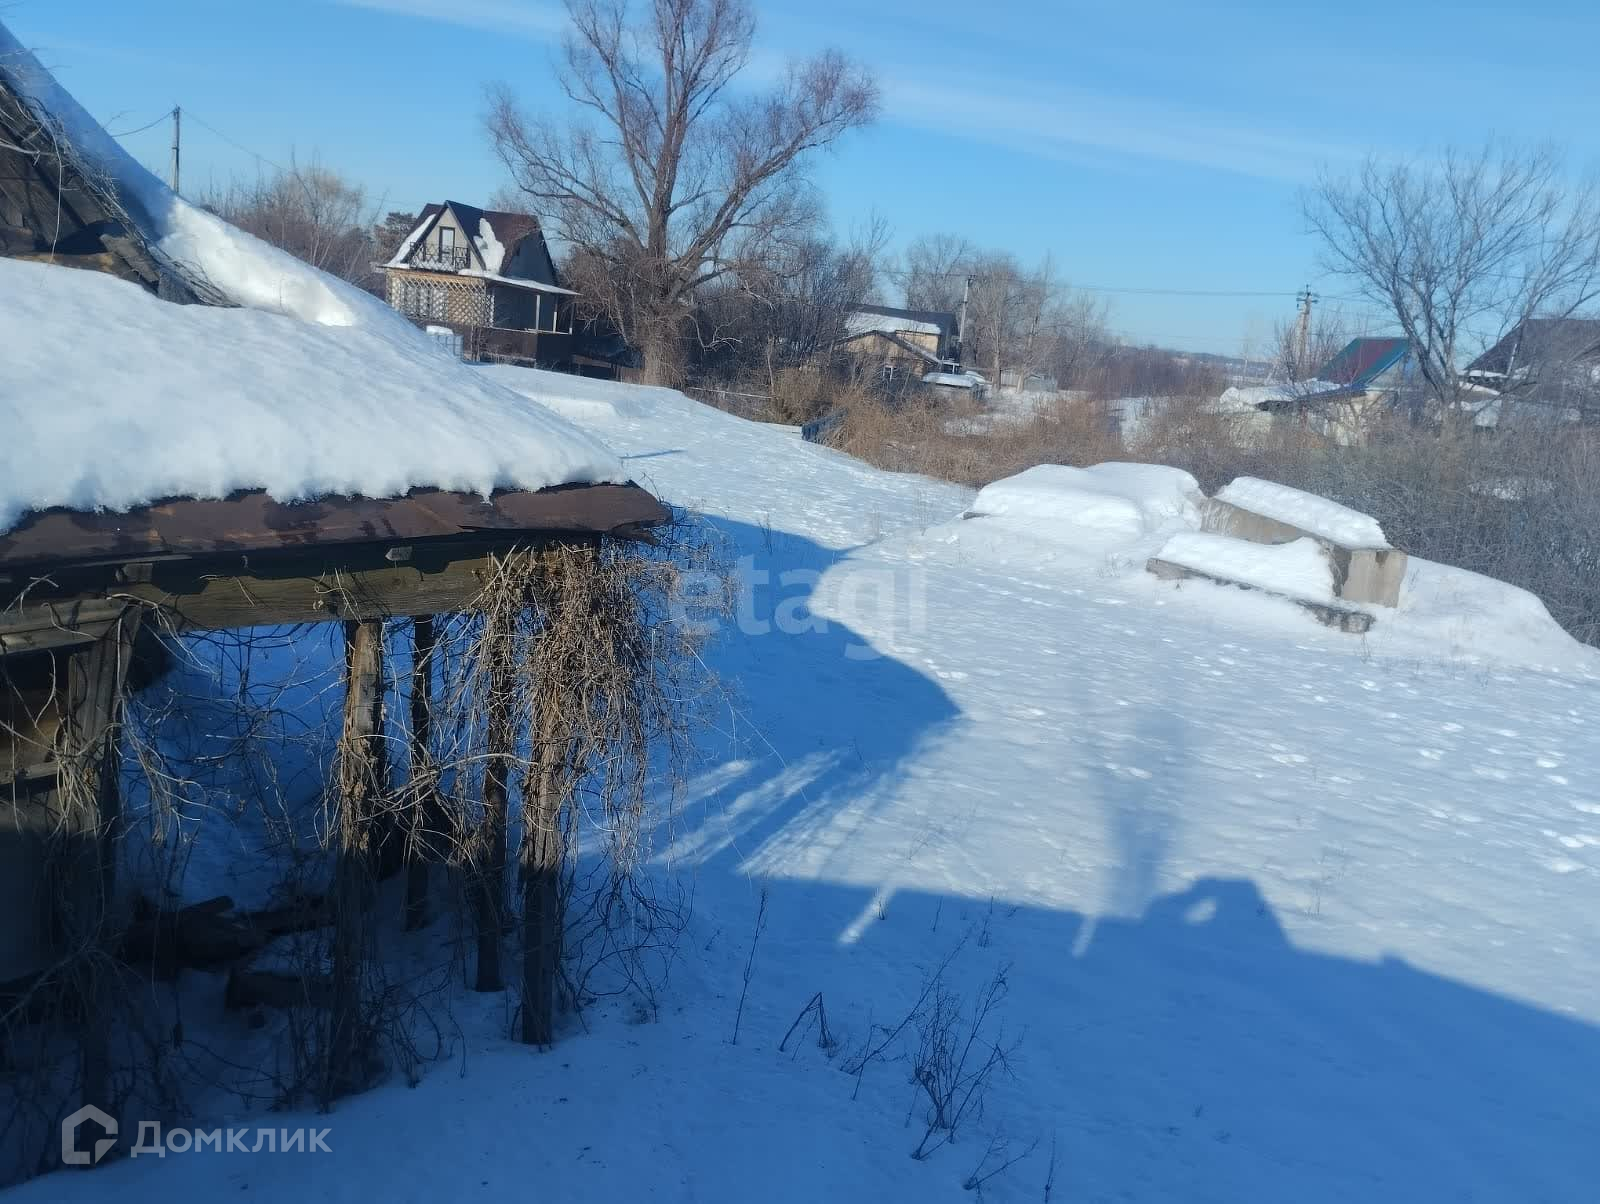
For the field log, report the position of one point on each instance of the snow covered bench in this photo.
(1300, 571)
(1366, 569)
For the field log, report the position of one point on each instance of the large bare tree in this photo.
(1461, 249)
(671, 174)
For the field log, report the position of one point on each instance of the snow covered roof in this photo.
(1239, 399)
(862, 323)
(1540, 342)
(195, 401)
(495, 234)
(239, 267)
(865, 317)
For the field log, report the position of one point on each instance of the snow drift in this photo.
(1125, 499)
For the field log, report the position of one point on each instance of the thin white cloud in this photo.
(1058, 122)
(528, 18)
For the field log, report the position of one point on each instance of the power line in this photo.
(1179, 292)
(141, 129)
(238, 146)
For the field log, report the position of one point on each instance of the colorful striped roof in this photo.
(1363, 361)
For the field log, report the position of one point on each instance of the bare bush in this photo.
(998, 1157)
(312, 212)
(960, 1050)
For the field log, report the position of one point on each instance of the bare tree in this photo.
(1461, 249)
(670, 179)
(1014, 316)
(785, 313)
(312, 212)
(933, 271)
(1083, 341)
(1296, 359)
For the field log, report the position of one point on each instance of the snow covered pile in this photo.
(1115, 498)
(955, 380)
(245, 269)
(1239, 399)
(1312, 514)
(113, 399)
(1299, 569)
(1463, 614)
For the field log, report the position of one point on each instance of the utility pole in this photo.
(961, 322)
(1303, 334)
(177, 126)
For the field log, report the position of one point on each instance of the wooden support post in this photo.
(422, 849)
(499, 647)
(360, 798)
(545, 798)
(541, 856)
(87, 803)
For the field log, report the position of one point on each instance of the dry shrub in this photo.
(798, 395)
(973, 444)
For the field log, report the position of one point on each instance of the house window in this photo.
(447, 240)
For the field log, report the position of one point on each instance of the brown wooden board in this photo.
(254, 523)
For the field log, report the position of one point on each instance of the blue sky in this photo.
(1144, 145)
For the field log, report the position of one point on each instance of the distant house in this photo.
(1371, 365)
(1551, 363)
(487, 276)
(1368, 377)
(901, 342)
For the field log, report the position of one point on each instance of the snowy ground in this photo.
(1290, 914)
